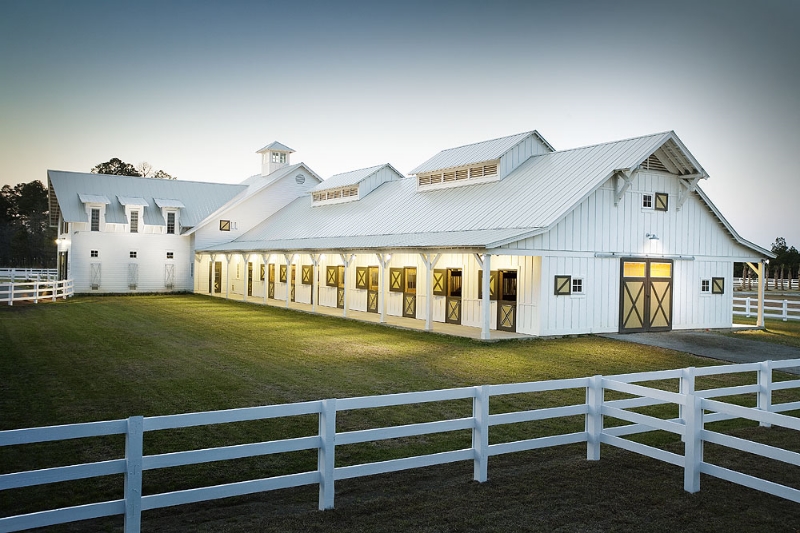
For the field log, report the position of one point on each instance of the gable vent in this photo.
(300, 179)
(653, 163)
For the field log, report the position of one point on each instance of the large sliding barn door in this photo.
(645, 295)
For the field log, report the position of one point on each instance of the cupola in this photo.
(273, 157)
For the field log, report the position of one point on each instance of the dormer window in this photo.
(95, 219)
(483, 172)
(278, 157)
(134, 221)
(170, 223)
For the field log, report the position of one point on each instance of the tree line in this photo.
(784, 268)
(26, 238)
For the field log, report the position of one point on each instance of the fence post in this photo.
(594, 417)
(133, 474)
(765, 389)
(693, 446)
(747, 306)
(686, 388)
(325, 455)
(11, 291)
(480, 434)
(36, 291)
(785, 310)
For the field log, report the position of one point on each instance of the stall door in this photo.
(271, 281)
(645, 295)
(410, 292)
(249, 278)
(507, 302)
(453, 300)
(218, 277)
(373, 288)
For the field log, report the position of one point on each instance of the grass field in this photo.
(101, 358)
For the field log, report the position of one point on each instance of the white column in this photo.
(430, 262)
(228, 258)
(383, 260)
(486, 300)
(346, 259)
(314, 274)
(265, 259)
(761, 282)
(246, 259)
(288, 277)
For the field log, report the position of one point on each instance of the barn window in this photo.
(361, 277)
(94, 253)
(647, 201)
(662, 201)
(492, 285)
(563, 285)
(331, 276)
(282, 274)
(577, 286)
(134, 221)
(440, 282)
(170, 255)
(224, 225)
(132, 254)
(263, 269)
(307, 274)
(170, 223)
(396, 280)
(95, 219)
(717, 285)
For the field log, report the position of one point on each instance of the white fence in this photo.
(787, 284)
(695, 410)
(783, 309)
(28, 274)
(33, 291)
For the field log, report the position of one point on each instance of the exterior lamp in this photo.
(652, 236)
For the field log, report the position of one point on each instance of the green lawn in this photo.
(777, 331)
(100, 358)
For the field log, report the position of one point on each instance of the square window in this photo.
(563, 285)
(705, 285)
(717, 285)
(170, 255)
(224, 225)
(133, 254)
(577, 286)
(94, 253)
(662, 201)
(647, 201)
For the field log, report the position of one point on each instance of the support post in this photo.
(480, 434)
(693, 446)
(265, 259)
(346, 260)
(383, 260)
(429, 260)
(594, 417)
(36, 292)
(761, 282)
(133, 474)
(314, 283)
(288, 258)
(686, 387)
(246, 259)
(326, 453)
(228, 258)
(765, 389)
(486, 301)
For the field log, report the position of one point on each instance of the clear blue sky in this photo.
(195, 88)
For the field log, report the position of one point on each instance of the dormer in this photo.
(95, 206)
(273, 157)
(134, 212)
(354, 185)
(481, 162)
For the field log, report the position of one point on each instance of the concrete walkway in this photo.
(714, 345)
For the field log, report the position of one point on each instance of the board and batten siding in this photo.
(374, 181)
(114, 257)
(520, 153)
(597, 225)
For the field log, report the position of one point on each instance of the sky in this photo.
(195, 88)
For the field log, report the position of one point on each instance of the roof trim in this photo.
(162, 202)
(275, 147)
(738, 238)
(93, 198)
(133, 200)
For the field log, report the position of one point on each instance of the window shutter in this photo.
(717, 285)
(493, 282)
(361, 277)
(662, 201)
(440, 282)
(307, 274)
(282, 274)
(563, 285)
(331, 278)
(263, 269)
(396, 281)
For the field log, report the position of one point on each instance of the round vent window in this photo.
(300, 179)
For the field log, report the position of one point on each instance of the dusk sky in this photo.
(195, 88)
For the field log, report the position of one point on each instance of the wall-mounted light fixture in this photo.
(652, 236)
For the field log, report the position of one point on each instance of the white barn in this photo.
(507, 234)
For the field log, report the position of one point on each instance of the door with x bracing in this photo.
(645, 295)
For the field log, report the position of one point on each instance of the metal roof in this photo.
(277, 147)
(132, 200)
(353, 177)
(475, 153)
(93, 198)
(532, 198)
(199, 198)
(166, 202)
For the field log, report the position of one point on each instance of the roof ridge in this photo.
(120, 176)
(381, 165)
(612, 142)
(489, 140)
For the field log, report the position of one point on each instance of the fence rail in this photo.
(782, 309)
(33, 291)
(771, 284)
(695, 410)
(28, 274)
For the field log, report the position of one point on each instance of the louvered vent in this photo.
(459, 174)
(335, 194)
(653, 163)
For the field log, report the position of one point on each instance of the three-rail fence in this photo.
(695, 409)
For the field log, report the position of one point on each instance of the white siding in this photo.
(520, 153)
